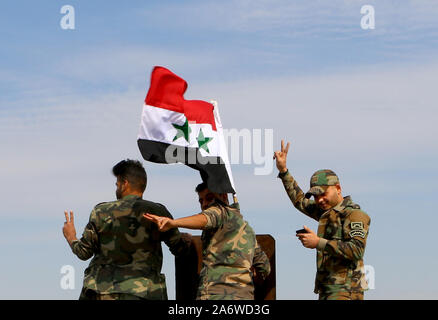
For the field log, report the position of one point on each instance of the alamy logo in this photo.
(68, 278)
(370, 276)
(244, 146)
(368, 21)
(68, 21)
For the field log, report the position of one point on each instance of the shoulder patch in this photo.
(357, 233)
(357, 230)
(356, 225)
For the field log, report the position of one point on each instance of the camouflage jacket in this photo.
(230, 249)
(343, 231)
(127, 248)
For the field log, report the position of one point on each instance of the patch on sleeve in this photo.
(357, 225)
(357, 230)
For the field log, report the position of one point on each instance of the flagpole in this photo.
(227, 163)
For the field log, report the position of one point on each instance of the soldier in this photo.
(342, 232)
(231, 254)
(126, 247)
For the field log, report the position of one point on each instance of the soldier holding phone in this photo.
(342, 232)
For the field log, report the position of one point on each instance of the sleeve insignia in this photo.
(357, 233)
(357, 225)
(357, 230)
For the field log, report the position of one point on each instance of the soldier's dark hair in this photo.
(133, 172)
(201, 187)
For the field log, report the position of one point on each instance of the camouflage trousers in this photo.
(341, 295)
(87, 294)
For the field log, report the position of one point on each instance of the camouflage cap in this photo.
(320, 180)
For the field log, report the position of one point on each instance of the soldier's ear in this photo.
(125, 184)
(338, 188)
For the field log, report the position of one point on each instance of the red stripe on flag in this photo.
(167, 90)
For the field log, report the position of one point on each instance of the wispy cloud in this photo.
(299, 18)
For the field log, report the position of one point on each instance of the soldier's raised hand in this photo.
(281, 157)
(69, 230)
(163, 223)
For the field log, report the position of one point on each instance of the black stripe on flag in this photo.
(212, 169)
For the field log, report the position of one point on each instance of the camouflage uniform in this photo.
(230, 249)
(343, 231)
(127, 250)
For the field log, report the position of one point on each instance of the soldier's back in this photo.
(129, 259)
(228, 252)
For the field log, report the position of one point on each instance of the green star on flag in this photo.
(202, 141)
(182, 131)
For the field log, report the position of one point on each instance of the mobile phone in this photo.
(301, 231)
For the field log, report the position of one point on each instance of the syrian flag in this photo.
(187, 131)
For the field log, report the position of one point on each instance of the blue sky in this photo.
(362, 102)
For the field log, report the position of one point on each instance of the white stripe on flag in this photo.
(156, 125)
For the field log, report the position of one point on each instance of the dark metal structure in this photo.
(187, 271)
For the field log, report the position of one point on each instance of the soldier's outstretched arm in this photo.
(177, 242)
(296, 195)
(355, 229)
(197, 221)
